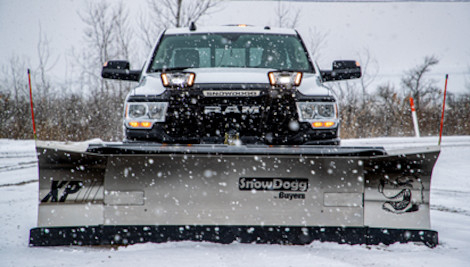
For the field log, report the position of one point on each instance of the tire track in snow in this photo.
(451, 210)
(19, 183)
(19, 166)
(456, 194)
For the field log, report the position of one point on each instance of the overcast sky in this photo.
(398, 35)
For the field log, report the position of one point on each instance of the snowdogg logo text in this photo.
(273, 184)
(276, 184)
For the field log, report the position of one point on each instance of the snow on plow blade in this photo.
(126, 193)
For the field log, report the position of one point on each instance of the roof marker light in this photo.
(192, 27)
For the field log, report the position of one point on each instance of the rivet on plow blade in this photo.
(120, 194)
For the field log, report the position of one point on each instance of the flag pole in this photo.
(32, 108)
(443, 108)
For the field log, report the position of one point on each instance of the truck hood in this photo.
(151, 84)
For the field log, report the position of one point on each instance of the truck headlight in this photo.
(178, 79)
(143, 115)
(318, 114)
(284, 78)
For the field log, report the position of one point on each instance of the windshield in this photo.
(231, 50)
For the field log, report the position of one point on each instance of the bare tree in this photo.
(467, 80)
(171, 13)
(417, 85)
(347, 91)
(316, 41)
(107, 36)
(356, 108)
(390, 112)
(45, 106)
(370, 68)
(15, 119)
(45, 64)
(286, 15)
(457, 114)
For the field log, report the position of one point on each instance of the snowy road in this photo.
(450, 216)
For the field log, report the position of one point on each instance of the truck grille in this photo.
(193, 115)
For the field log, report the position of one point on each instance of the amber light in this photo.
(134, 124)
(143, 124)
(146, 124)
(329, 124)
(320, 124)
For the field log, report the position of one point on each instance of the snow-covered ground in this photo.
(450, 216)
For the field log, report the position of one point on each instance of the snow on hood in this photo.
(151, 84)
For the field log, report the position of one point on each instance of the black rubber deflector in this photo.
(295, 235)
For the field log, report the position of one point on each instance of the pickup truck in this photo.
(232, 84)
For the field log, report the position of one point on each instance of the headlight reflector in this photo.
(326, 110)
(136, 110)
(307, 111)
(157, 110)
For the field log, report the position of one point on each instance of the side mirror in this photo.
(119, 70)
(342, 70)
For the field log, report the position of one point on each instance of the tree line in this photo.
(74, 115)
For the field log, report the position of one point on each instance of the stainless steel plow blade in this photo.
(119, 194)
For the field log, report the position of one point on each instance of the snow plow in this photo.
(127, 193)
(231, 136)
